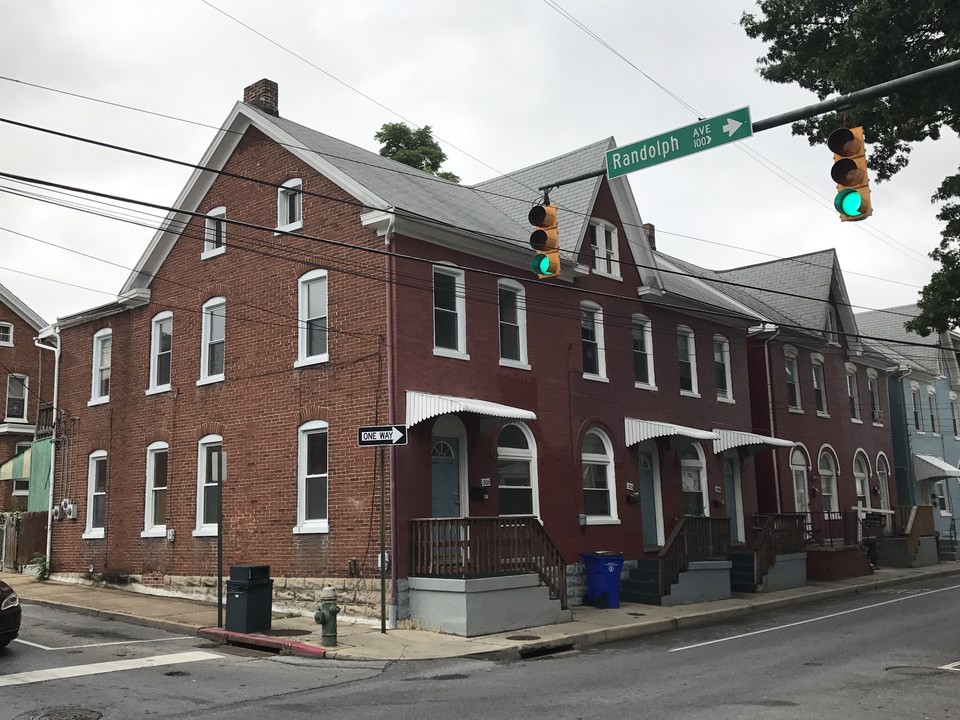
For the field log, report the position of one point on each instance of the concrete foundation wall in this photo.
(788, 571)
(894, 552)
(702, 582)
(483, 605)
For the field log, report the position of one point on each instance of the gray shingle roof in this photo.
(887, 325)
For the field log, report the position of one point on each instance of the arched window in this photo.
(599, 486)
(828, 482)
(517, 471)
(693, 480)
(861, 477)
(798, 468)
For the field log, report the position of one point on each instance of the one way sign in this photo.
(382, 435)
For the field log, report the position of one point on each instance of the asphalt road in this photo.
(882, 654)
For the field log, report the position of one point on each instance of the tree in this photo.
(839, 46)
(415, 148)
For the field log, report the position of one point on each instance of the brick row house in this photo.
(304, 288)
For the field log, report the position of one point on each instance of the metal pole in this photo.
(383, 544)
(220, 544)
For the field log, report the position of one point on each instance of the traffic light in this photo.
(850, 174)
(545, 240)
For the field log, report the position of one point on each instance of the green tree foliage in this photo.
(415, 148)
(839, 46)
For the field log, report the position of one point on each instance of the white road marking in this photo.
(816, 619)
(952, 666)
(91, 645)
(35, 676)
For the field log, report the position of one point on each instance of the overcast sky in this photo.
(503, 83)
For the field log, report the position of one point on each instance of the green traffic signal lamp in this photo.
(848, 203)
(849, 172)
(545, 240)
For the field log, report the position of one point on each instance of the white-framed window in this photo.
(290, 205)
(798, 467)
(214, 233)
(161, 352)
(212, 348)
(853, 392)
(819, 385)
(832, 327)
(939, 497)
(15, 409)
(606, 254)
(155, 502)
(917, 407)
(722, 368)
(517, 471)
(591, 341)
(861, 479)
(932, 409)
(313, 478)
(96, 494)
(6, 334)
(687, 359)
(793, 377)
(21, 486)
(512, 303)
(449, 312)
(599, 484)
(312, 335)
(102, 352)
(873, 390)
(693, 480)
(954, 414)
(643, 375)
(828, 482)
(211, 472)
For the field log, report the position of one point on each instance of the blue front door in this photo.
(445, 468)
(731, 478)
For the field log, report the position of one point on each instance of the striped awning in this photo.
(17, 467)
(730, 439)
(423, 406)
(928, 467)
(637, 431)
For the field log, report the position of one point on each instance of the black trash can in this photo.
(249, 599)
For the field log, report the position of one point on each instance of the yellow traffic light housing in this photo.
(545, 240)
(849, 172)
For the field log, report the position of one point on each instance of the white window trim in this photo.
(19, 448)
(7, 343)
(702, 465)
(524, 362)
(954, 413)
(202, 529)
(647, 326)
(598, 229)
(935, 417)
(791, 355)
(692, 358)
(816, 361)
(205, 341)
(460, 353)
(613, 518)
(867, 475)
(149, 529)
(303, 526)
(855, 377)
(209, 226)
(728, 398)
(806, 480)
(292, 185)
(530, 457)
(26, 398)
(873, 375)
(303, 359)
(92, 533)
(152, 388)
(916, 398)
(832, 328)
(601, 374)
(834, 499)
(947, 510)
(98, 337)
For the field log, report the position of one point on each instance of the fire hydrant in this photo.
(326, 616)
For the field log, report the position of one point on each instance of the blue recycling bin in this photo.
(603, 577)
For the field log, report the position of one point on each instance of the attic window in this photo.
(215, 233)
(606, 256)
(6, 335)
(290, 205)
(832, 325)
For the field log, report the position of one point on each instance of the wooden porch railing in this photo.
(779, 534)
(45, 418)
(914, 522)
(486, 546)
(693, 539)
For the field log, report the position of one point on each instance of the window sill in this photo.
(154, 533)
(798, 411)
(645, 386)
(823, 414)
(211, 380)
(946, 513)
(157, 390)
(207, 254)
(858, 421)
(453, 354)
(601, 273)
(14, 420)
(312, 528)
(880, 424)
(602, 520)
(205, 531)
(99, 401)
(298, 225)
(595, 378)
(689, 393)
(6, 344)
(517, 364)
(726, 400)
(95, 534)
(20, 493)
(315, 360)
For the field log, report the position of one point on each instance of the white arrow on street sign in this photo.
(732, 126)
(382, 435)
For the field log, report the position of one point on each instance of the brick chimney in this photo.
(651, 232)
(263, 94)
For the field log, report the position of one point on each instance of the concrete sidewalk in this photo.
(362, 639)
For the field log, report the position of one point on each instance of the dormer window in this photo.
(215, 233)
(833, 327)
(603, 241)
(290, 206)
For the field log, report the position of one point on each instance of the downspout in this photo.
(391, 349)
(773, 432)
(53, 440)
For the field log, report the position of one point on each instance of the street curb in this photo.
(294, 647)
(155, 623)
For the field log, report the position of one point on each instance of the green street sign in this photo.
(702, 135)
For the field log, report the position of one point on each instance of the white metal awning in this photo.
(729, 439)
(928, 467)
(423, 406)
(639, 430)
